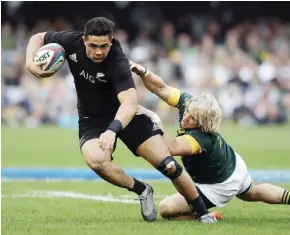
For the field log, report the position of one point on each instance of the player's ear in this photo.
(84, 39)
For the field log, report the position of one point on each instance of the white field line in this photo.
(59, 194)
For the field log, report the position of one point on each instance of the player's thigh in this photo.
(93, 154)
(174, 205)
(144, 138)
(89, 132)
(154, 150)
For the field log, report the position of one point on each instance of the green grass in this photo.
(61, 216)
(263, 148)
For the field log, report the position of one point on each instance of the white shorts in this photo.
(221, 193)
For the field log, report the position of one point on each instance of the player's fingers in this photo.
(108, 145)
(43, 72)
(45, 75)
(112, 145)
(101, 142)
(38, 63)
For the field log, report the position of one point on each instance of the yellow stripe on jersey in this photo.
(195, 147)
(174, 96)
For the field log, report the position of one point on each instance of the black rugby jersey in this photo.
(97, 84)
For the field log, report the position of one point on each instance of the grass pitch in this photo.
(25, 212)
(73, 208)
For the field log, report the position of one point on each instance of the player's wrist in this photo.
(115, 126)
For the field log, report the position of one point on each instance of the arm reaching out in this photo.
(156, 85)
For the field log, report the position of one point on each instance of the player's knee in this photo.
(94, 157)
(170, 168)
(165, 209)
(96, 160)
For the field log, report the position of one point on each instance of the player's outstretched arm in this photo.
(156, 85)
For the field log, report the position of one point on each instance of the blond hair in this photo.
(206, 111)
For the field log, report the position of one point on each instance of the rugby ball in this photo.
(52, 55)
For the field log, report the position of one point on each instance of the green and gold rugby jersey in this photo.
(215, 161)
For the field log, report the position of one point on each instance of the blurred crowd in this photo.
(247, 68)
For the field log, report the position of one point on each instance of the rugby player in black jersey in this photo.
(107, 105)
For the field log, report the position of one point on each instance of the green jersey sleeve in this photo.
(181, 105)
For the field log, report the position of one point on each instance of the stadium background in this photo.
(238, 51)
(239, 54)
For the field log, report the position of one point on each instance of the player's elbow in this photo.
(129, 99)
(130, 104)
(38, 37)
(133, 105)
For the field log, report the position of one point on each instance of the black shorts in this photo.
(136, 132)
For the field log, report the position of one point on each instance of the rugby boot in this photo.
(148, 209)
(208, 219)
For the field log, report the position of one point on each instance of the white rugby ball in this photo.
(52, 55)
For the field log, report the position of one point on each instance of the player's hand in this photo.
(153, 116)
(137, 68)
(35, 69)
(107, 140)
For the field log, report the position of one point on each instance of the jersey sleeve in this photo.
(67, 39)
(203, 140)
(174, 96)
(181, 105)
(195, 147)
(122, 79)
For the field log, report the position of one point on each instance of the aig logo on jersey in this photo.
(93, 79)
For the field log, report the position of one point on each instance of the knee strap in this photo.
(170, 168)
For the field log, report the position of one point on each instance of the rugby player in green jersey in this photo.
(219, 172)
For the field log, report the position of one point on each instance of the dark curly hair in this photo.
(99, 26)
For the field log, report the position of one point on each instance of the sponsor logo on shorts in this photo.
(155, 127)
